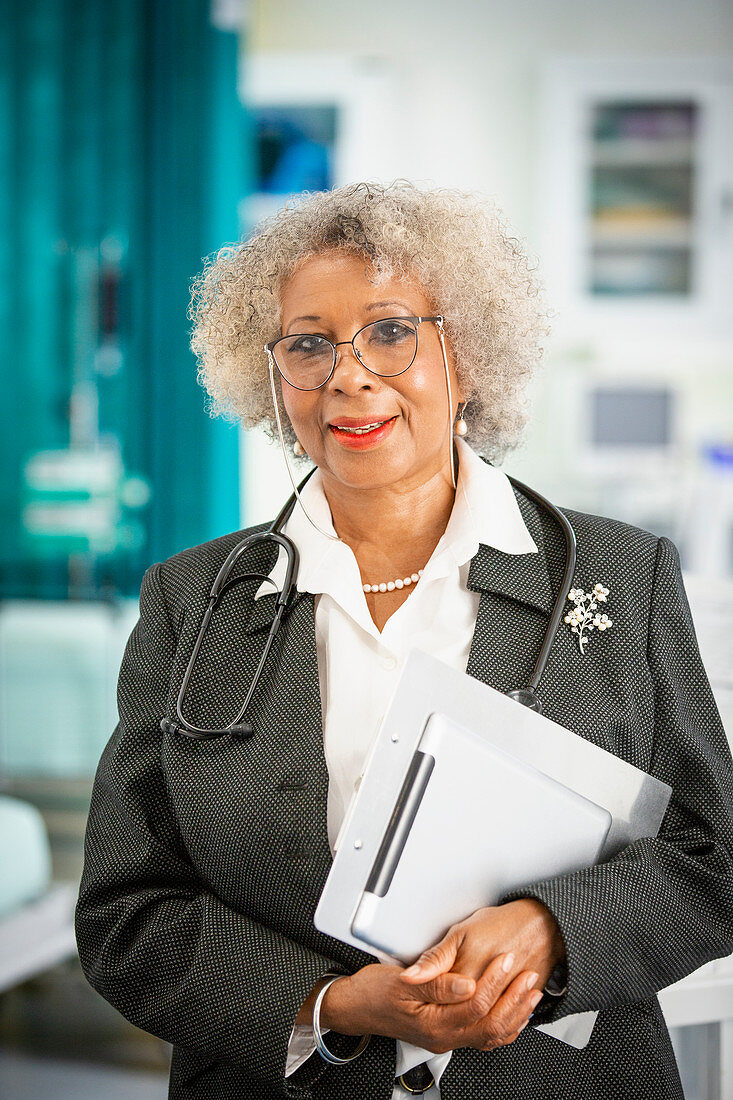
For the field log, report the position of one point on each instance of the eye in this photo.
(390, 332)
(307, 345)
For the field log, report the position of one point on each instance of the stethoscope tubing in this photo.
(239, 728)
(571, 550)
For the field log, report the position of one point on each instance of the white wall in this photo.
(464, 110)
(466, 72)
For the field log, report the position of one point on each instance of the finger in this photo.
(512, 1010)
(446, 989)
(514, 1036)
(436, 960)
(490, 986)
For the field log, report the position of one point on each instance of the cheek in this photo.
(301, 408)
(428, 396)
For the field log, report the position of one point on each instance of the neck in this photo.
(394, 529)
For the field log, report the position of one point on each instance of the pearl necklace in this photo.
(389, 586)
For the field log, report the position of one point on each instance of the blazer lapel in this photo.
(517, 597)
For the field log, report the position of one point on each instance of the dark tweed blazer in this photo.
(204, 861)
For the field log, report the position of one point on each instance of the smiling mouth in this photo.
(362, 430)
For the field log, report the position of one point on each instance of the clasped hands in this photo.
(477, 987)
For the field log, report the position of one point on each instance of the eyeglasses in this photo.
(386, 347)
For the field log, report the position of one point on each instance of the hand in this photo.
(525, 929)
(376, 1001)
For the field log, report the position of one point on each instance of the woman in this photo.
(396, 321)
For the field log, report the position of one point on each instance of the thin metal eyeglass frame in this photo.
(270, 349)
(271, 364)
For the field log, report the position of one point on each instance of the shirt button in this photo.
(389, 662)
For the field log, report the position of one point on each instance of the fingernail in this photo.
(507, 963)
(461, 985)
(531, 980)
(535, 999)
(412, 971)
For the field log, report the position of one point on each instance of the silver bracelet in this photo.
(325, 1053)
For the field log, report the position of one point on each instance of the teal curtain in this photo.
(123, 157)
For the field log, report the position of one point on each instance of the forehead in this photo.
(337, 281)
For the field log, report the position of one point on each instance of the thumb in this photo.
(436, 960)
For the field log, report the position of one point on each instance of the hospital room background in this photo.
(137, 138)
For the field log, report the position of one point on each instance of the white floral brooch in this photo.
(585, 616)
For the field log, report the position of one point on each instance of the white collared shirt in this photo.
(359, 666)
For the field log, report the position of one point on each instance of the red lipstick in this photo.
(360, 433)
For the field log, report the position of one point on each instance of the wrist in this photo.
(337, 1008)
(305, 1013)
(334, 1057)
(555, 945)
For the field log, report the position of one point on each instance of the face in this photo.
(330, 295)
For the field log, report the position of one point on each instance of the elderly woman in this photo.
(399, 327)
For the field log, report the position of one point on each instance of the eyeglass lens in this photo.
(385, 347)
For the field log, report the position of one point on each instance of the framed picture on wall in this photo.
(318, 122)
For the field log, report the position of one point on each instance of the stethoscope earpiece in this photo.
(242, 732)
(527, 698)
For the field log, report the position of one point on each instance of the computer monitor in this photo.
(628, 428)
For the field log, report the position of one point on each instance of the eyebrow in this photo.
(372, 305)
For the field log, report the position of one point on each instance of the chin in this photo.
(364, 470)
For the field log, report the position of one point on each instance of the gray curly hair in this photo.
(455, 244)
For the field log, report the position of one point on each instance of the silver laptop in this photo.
(470, 822)
(403, 871)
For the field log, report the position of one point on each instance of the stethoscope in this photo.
(239, 727)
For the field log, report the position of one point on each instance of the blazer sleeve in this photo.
(663, 906)
(153, 940)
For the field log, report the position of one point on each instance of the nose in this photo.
(350, 344)
(349, 372)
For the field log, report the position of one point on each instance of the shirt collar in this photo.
(485, 511)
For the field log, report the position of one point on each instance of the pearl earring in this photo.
(461, 427)
(298, 449)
